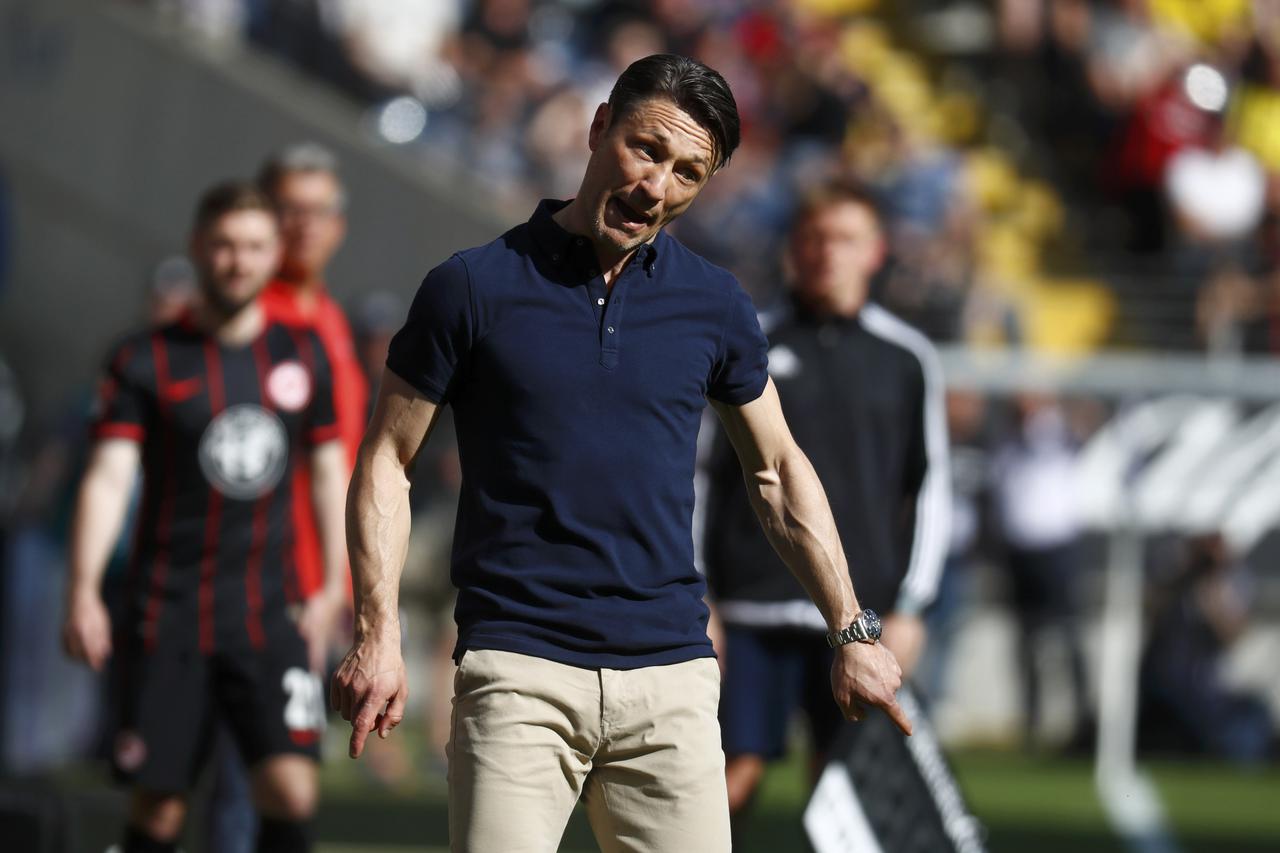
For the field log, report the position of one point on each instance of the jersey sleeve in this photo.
(322, 415)
(436, 339)
(741, 370)
(122, 402)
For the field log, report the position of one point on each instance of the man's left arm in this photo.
(793, 510)
(328, 501)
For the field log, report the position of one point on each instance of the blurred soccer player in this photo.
(578, 352)
(302, 182)
(862, 392)
(217, 409)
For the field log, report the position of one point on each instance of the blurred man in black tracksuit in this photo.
(863, 395)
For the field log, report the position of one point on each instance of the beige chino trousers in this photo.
(641, 747)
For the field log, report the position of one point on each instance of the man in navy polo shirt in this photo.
(578, 351)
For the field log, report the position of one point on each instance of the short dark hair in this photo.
(831, 192)
(693, 87)
(230, 197)
(300, 157)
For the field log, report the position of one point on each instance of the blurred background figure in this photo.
(1036, 495)
(1198, 614)
(862, 393)
(205, 636)
(303, 184)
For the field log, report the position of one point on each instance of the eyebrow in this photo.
(665, 139)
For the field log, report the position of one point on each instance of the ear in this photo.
(599, 126)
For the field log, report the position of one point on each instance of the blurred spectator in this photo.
(396, 44)
(1186, 705)
(1162, 123)
(863, 394)
(1228, 309)
(1038, 518)
(1217, 192)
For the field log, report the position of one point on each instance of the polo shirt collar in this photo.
(561, 247)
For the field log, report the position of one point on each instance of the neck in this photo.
(842, 305)
(307, 287)
(575, 220)
(235, 329)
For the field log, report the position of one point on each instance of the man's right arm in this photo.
(370, 687)
(101, 505)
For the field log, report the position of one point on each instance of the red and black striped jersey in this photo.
(222, 429)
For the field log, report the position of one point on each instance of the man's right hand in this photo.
(370, 687)
(86, 634)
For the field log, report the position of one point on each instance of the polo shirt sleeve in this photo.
(120, 409)
(436, 338)
(322, 414)
(741, 369)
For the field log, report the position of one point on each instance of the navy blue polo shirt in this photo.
(577, 412)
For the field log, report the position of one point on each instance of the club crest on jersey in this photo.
(289, 386)
(243, 451)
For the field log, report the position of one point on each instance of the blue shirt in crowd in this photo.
(577, 411)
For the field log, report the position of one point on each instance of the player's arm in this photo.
(328, 501)
(101, 505)
(793, 510)
(370, 688)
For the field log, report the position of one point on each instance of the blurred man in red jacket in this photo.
(303, 182)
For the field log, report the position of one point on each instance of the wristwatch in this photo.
(865, 628)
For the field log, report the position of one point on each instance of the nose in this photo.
(654, 184)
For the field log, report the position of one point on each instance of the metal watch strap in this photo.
(854, 633)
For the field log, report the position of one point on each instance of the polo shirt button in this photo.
(600, 301)
(611, 330)
(555, 256)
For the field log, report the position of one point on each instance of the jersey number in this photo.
(305, 709)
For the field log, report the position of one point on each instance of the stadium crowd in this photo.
(1132, 206)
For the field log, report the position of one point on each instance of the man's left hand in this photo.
(867, 674)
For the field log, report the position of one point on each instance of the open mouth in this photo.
(631, 218)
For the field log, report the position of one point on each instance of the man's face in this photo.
(311, 222)
(646, 168)
(236, 255)
(835, 250)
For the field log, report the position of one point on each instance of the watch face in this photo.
(871, 621)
